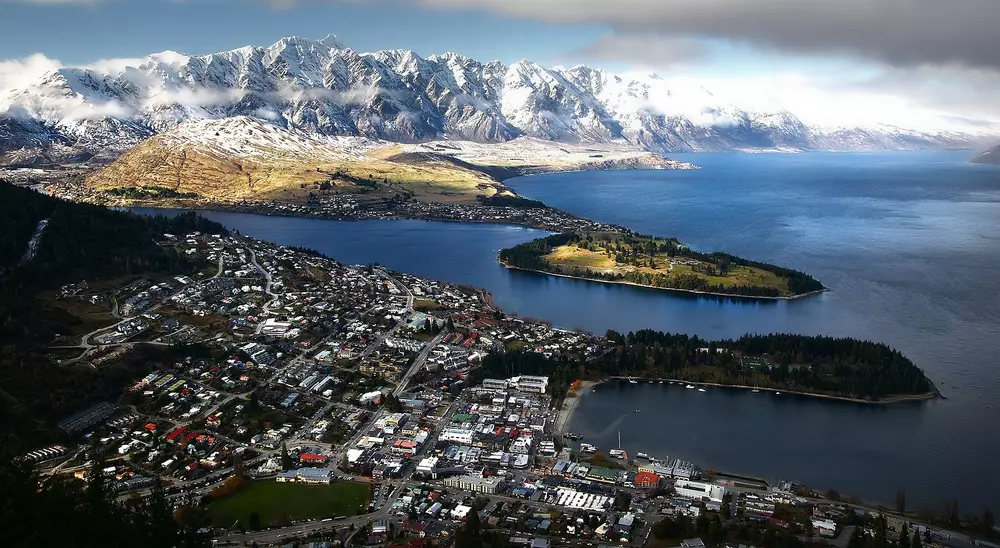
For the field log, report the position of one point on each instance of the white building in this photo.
(428, 465)
(530, 383)
(495, 384)
(700, 491)
(475, 484)
(457, 435)
(273, 328)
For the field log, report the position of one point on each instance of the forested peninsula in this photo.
(661, 263)
(842, 368)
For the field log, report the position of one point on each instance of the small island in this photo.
(661, 263)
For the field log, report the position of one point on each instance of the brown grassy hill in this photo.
(239, 159)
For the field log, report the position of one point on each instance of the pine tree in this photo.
(286, 459)
(904, 537)
(881, 536)
(915, 542)
(857, 539)
(986, 522)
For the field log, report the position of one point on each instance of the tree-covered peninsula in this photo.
(662, 263)
(825, 366)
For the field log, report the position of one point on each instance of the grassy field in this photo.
(572, 256)
(281, 502)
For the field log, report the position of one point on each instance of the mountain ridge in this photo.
(325, 88)
(988, 156)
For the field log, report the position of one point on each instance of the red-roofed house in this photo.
(312, 458)
(647, 480)
(173, 435)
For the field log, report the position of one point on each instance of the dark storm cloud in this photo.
(647, 50)
(898, 32)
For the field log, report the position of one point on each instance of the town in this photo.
(297, 399)
(341, 206)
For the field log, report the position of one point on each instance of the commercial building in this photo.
(495, 384)
(428, 465)
(457, 435)
(306, 475)
(489, 486)
(647, 480)
(700, 491)
(530, 383)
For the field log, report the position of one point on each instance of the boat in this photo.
(632, 381)
(777, 393)
(642, 456)
(701, 390)
(755, 390)
(572, 436)
(587, 448)
(636, 410)
(689, 386)
(661, 382)
(618, 453)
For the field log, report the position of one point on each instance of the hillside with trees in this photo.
(61, 511)
(662, 263)
(79, 242)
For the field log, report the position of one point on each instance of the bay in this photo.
(909, 244)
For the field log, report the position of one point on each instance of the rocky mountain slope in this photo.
(990, 156)
(322, 87)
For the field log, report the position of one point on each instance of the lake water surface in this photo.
(909, 243)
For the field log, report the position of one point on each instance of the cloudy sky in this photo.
(826, 60)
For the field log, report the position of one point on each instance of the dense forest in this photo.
(824, 365)
(641, 248)
(80, 242)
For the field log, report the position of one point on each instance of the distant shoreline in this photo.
(690, 291)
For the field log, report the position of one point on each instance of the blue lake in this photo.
(909, 243)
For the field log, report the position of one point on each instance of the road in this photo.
(418, 362)
(381, 338)
(267, 276)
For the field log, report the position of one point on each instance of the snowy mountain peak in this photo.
(324, 89)
(331, 41)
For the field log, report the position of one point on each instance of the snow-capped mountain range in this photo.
(322, 87)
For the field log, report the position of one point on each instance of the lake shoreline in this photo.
(566, 415)
(671, 289)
